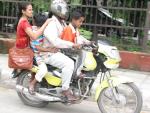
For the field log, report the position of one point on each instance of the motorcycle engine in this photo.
(76, 92)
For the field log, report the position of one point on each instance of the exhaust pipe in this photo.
(43, 97)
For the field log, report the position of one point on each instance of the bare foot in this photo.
(31, 88)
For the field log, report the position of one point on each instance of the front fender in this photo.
(115, 81)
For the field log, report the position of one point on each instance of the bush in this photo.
(127, 44)
(85, 33)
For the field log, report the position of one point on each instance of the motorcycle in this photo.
(112, 94)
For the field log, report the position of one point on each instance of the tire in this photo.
(23, 97)
(133, 87)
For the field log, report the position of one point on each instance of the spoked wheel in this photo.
(28, 99)
(128, 99)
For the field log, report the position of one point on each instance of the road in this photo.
(10, 103)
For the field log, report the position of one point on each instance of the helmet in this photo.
(59, 8)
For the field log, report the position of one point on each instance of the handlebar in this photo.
(89, 47)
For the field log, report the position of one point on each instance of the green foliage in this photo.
(1, 8)
(127, 44)
(76, 2)
(41, 5)
(128, 15)
(85, 33)
(133, 18)
(148, 43)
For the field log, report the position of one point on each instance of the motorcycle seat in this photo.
(49, 67)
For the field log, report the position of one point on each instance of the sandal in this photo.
(31, 87)
(31, 90)
(81, 76)
(68, 94)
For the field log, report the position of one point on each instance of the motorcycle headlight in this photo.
(112, 63)
(114, 54)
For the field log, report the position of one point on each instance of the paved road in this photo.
(10, 103)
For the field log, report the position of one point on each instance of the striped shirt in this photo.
(34, 43)
(37, 42)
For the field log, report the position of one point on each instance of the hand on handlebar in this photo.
(89, 43)
(92, 42)
(77, 46)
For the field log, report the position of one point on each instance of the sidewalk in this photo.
(141, 79)
(5, 72)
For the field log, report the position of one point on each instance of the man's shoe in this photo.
(68, 94)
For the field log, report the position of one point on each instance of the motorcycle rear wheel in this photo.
(130, 99)
(23, 80)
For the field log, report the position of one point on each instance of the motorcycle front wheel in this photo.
(127, 99)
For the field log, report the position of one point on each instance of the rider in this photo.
(24, 31)
(71, 33)
(52, 33)
(40, 53)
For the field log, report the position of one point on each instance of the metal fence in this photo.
(8, 15)
(117, 14)
(118, 18)
(103, 17)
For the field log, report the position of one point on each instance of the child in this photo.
(40, 53)
(71, 33)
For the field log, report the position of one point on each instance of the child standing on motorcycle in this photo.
(71, 33)
(40, 53)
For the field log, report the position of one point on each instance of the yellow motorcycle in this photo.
(112, 94)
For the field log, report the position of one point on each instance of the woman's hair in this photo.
(21, 6)
(77, 14)
(39, 19)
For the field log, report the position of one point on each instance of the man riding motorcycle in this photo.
(52, 34)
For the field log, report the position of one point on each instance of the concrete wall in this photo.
(135, 60)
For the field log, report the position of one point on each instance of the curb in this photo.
(135, 60)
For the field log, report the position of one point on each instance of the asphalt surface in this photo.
(10, 102)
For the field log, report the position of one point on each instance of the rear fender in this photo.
(115, 81)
